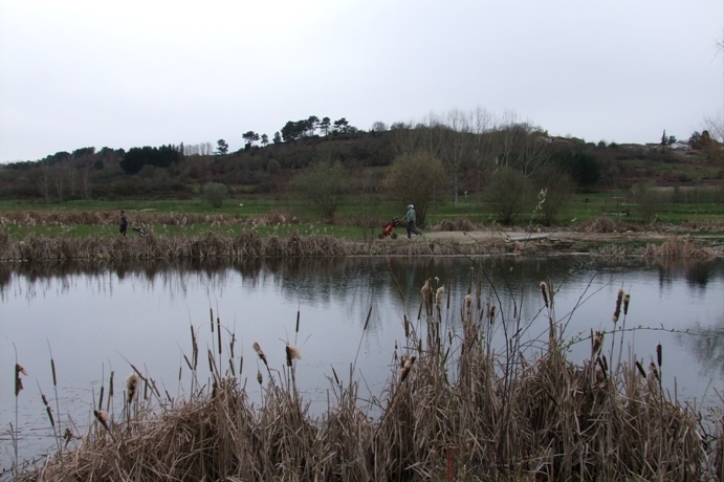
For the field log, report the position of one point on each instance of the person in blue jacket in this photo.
(411, 219)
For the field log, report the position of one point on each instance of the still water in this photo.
(100, 319)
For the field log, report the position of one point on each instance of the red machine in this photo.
(389, 227)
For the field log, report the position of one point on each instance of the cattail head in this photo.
(102, 417)
(131, 387)
(259, 352)
(19, 381)
(292, 353)
(626, 300)
(439, 295)
(259, 377)
(640, 369)
(596, 343)
(425, 290)
(491, 313)
(468, 302)
(407, 367)
(659, 355)
(544, 292)
(617, 311)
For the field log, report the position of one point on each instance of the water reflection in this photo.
(99, 316)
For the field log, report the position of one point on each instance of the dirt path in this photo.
(565, 241)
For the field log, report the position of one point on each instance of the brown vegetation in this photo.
(504, 417)
(675, 249)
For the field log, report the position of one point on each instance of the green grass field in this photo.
(351, 214)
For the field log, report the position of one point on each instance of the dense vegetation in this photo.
(509, 167)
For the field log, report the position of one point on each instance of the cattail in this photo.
(491, 314)
(19, 381)
(131, 387)
(654, 371)
(617, 311)
(468, 307)
(641, 369)
(427, 295)
(659, 355)
(336, 378)
(102, 417)
(259, 377)
(47, 409)
(407, 367)
(67, 436)
(292, 353)
(259, 352)
(439, 295)
(544, 292)
(626, 300)
(425, 290)
(596, 343)
(296, 354)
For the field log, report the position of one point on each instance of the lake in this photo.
(97, 319)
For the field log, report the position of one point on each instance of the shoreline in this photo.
(651, 245)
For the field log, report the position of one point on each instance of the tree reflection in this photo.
(708, 347)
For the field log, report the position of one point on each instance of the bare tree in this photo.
(320, 186)
(414, 178)
(379, 126)
(58, 179)
(522, 145)
(85, 182)
(71, 175)
(43, 182)
(456, 146)
(482, 150)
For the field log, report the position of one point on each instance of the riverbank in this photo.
(250, 244)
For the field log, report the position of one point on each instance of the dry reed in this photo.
(676, 248)
(505, 417)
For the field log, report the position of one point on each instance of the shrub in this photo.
(506, 194)
(319, 187)
(648, 202)
(215, 193)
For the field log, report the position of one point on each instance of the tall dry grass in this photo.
(452, 406)
(676, 249)
(248, 245)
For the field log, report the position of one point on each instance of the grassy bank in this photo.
(667, 205)
(452, 409)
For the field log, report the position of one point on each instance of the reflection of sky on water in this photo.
(102, 320)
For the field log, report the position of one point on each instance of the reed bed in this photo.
(460, 224)
(248, 245)
(678, 248)
(104, 218)
(452, 409)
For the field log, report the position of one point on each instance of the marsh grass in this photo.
(676, 249)
(249, 244)
(451, 405)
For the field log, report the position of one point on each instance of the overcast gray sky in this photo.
(77, 73)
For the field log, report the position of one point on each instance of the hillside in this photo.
(180, 172)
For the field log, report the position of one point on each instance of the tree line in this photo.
(498, 161)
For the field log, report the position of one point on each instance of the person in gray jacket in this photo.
(411, 219)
